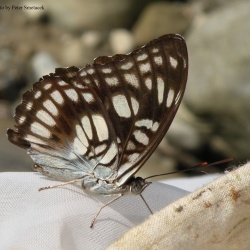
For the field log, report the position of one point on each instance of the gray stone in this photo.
(183, 132)
(72, 52)
(13, 74)
(91, 39)
(210, 5)
(121, 41)
(219, 76)
(43, 64)
(162, 18)
(82, 15)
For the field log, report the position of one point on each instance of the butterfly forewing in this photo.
(141, 92)
(107, 118)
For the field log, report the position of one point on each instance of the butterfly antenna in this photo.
(203, 164)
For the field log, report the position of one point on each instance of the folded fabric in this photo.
(216, 217)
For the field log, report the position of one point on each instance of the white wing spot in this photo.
(100, 149)
(81, 135)
(45, 117)
(38, 94)
(83, 73)
(80, 85)
(148, 124)
(160, 89)
(39, 129)
(51, 107)
(106, 70)
(91, 71)
(132, 79)
(110, 154)
(34, 139)
(57, 97)
(86, 80)
(148, 83)
(62, 83)
(91, 154)
(133, 157)
(78, 147)
(155, 126)
(29, 105)
(71, 93)
(142, 57)
(155, 50)
(144, 123)
(87, 126)
(170, 97)
(101, 127)
(112, 81)
(135, 105)
(144, 68)
(131, 146)
(121, 106)
(21, 119)
(127, 66)
(47, 86)
(158, 60)
(88, 97)
(141, 137)
(173, 62)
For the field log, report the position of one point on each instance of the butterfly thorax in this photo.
(133, 186)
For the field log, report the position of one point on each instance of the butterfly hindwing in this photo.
(64, 128)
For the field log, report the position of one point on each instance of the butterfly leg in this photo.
(100, 209)
(60, 185)
(146, 204)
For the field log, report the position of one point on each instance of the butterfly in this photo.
(99, 124)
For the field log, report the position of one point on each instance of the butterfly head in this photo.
(137, 185)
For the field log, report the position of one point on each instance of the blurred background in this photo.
(213, 120)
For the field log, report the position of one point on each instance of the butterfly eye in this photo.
(138, 184)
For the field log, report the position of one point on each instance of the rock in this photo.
(183, 132)
(210, 5)
(13, 75)
(43, 64)
(185, 139)
(72, 53)
(91, 39)
(219, 77)
(162, 18)
(121, 41)
(95, 14)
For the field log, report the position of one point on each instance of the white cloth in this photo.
(191, 184)
(216, 216)
(59, 218)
